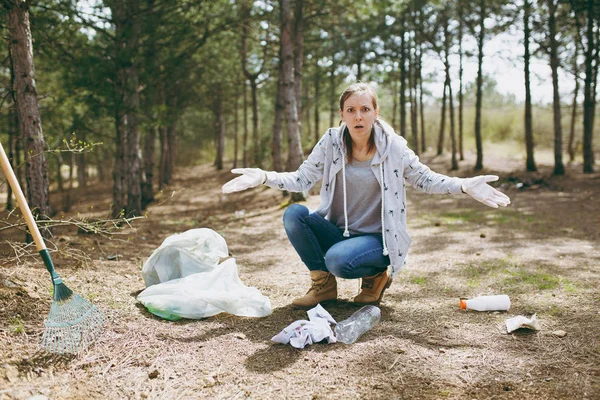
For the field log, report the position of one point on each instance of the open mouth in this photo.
(358, 126)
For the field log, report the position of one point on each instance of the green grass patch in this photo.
(16, 325)
(537, 279)
(418, 280)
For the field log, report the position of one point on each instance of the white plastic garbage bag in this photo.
(182, 254)
(185, 280)
(205, 294)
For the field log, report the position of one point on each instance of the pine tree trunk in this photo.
(332, 92)
(12, 142)
(421, 110)
(255, 134)
(147, 185)
(245, 137)
(530, 162)
(589, 103)
(460, 85)
(403, 78)
(571, 147)
(559, 168)
(440, 145)
(30, 123)
(316, 100)
(479, 94)
(162, 182)
(236, 126)
(295, 156)
(298, 57)
(277, 140)
(454, 166)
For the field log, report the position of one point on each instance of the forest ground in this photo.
(543, 251)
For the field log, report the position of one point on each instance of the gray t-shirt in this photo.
(363, 196)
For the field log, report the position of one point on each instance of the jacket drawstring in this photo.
(346, 232)
(385, 250)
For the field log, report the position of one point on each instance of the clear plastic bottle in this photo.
(349, 330)
(486, 303)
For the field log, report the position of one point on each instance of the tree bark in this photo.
(403, 78)
(25, 94)
(530, 162)
(332, 92)
(236, 126)
(460, 85)
(316, 100)
(298, 57)
(147, 184)
(479, 95)
(440, 146)
(245, 137)
(559, 168)
(571, 147)
(589, 101)
(277, 140)
(454, 166)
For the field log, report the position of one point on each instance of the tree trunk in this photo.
(298, 57)
(460, 85)
(421, 110)
(219, 129)
(162, 182)
(479, 95)
(530, 162)
(276, 145)
(289, 96)
(30, 123)
(236, 126)
(127, 32)
(13, 139)
(440, 146)
(245, 137)
(571, 147)
(316, 100)
(454, 166)
(559, 168)
(589, 102)
(295, 155)
(403, 78)
(332, 92)
(394, 84)
(255, 134)
(149, 146)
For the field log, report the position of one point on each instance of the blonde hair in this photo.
(359, 88)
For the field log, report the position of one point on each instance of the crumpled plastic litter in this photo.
(302, 332)
(185, 280)
(183, 254)
(520, 321)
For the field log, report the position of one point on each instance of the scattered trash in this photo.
(349, 330)
(486, 303)
(114, 257)
(239, 213)
(185, 280)
(302, 332)
(512, 324)
(560, 333)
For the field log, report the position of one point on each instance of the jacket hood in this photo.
(384, 134)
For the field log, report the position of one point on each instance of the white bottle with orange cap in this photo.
(486, 303)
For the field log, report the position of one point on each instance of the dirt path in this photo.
(543, 251)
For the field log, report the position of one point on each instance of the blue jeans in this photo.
(322, 246)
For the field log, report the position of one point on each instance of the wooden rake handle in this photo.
(16, 188)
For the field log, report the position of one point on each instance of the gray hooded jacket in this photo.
(393, 161)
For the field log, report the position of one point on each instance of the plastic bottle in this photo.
(486, 303)
(349, 330)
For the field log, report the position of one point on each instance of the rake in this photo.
(73, 322)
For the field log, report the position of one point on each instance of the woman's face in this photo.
(359, 115)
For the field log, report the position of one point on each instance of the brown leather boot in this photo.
(372, 288)
(324, 288)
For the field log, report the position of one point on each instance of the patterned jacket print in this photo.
(399, 164)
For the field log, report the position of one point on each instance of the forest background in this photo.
(113, 108)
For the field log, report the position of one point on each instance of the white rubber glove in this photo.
(250, 178)
(478, 188)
